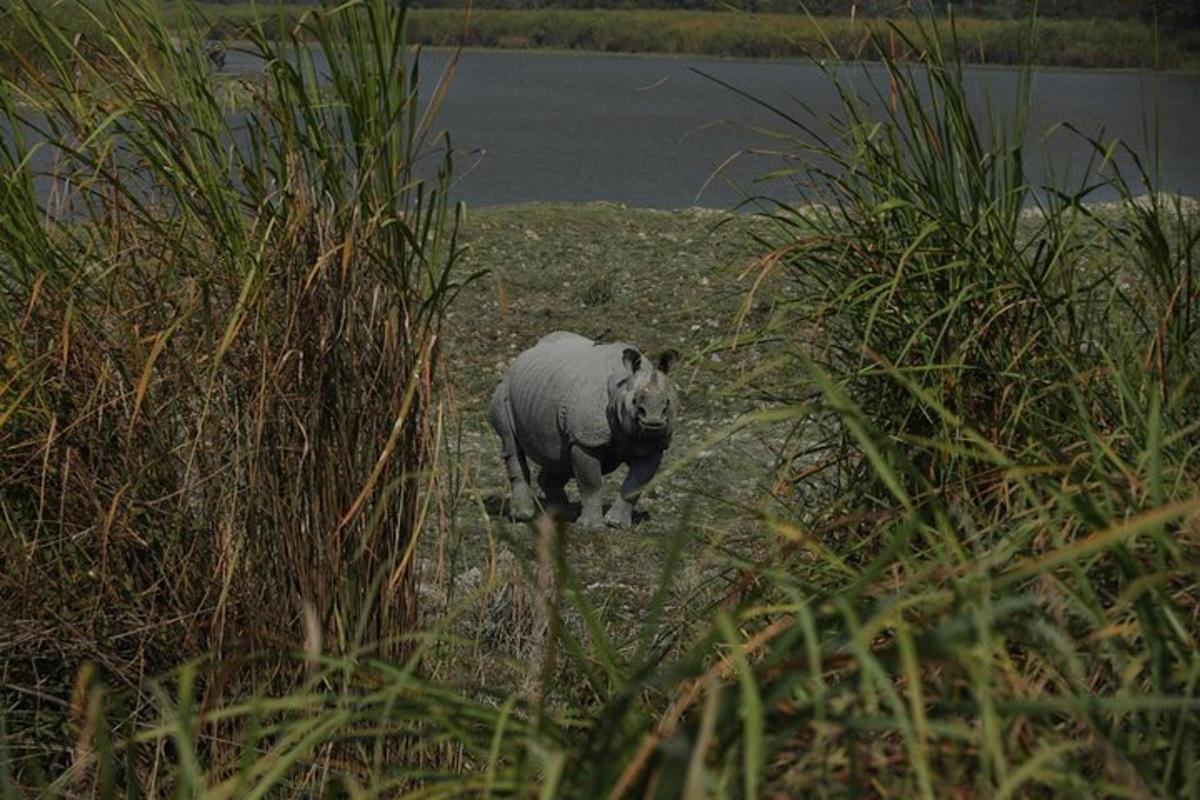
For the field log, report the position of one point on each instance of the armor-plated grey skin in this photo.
(579, 410)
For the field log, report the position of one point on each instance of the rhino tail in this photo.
(500, 413)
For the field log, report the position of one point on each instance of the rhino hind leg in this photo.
(553, 484)
(516, 467)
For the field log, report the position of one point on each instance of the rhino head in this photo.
(643, 399)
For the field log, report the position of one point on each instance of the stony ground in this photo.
(656, 279)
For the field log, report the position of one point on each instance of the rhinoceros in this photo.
(579, 409)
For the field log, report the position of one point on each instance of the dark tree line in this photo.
(1173, 13)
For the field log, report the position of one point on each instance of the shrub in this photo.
(994, 381)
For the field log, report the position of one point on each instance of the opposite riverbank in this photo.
(1081, 43)
(1107, 44)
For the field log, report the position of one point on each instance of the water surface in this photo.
(656, 132)
(653, 131)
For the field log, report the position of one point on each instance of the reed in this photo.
(218, 430)
(991, 507)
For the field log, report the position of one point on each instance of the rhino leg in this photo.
(516, 468)
(553, 483)
(640, 473)
(589, 475)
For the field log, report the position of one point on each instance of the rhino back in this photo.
(558, 390)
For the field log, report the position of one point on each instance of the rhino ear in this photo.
(632, 359)
(667, 360)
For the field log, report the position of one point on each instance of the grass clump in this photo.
(991, 589)
(598, 290)
(220, 337)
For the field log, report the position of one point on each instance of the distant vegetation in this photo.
(1074, 34)
(1112, 35)
(1179, 13)
(1074, 43)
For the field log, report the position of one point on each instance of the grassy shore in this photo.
(1079, 43)
(1099, 44)
(1105, 44)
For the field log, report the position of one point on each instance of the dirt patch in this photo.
(659, 280)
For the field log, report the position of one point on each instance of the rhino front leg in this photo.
(589, 476)
(516, 468)
(640, 473)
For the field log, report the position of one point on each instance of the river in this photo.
(656, 132)
(652, 132)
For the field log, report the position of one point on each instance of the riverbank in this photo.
(1082, 43)
(1106, 44)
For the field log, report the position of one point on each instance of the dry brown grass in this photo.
(218, 429)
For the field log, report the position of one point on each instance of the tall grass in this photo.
(997, 382)
(220, 339)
